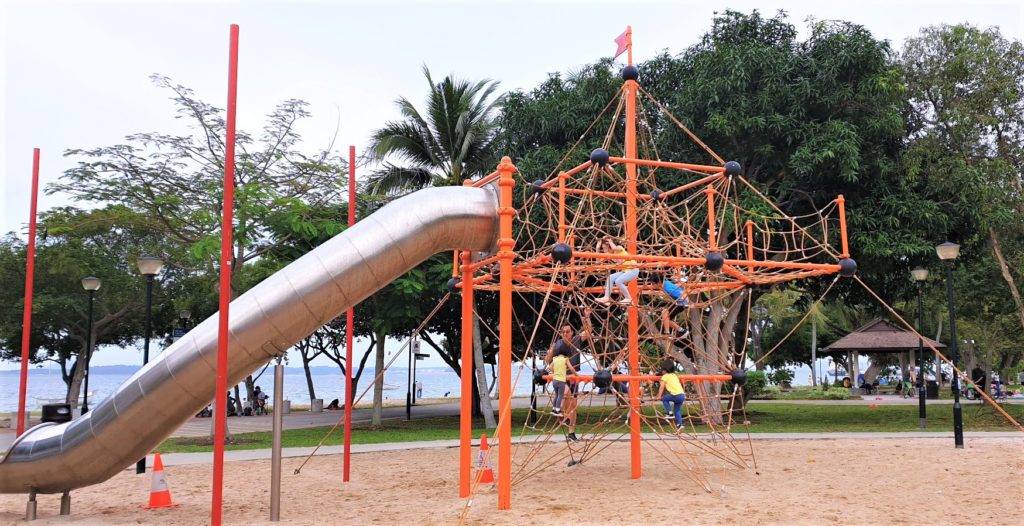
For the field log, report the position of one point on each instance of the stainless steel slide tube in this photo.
(265, 322)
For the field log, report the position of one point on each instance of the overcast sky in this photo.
(76, 74)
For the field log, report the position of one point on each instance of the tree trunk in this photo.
(1005, 269)
(712, 335)
(481, 377)
(378, 382)
(250, 391)
(875, 366)
(238, 401)
(77, 377)
(814, 351)
(309, 379)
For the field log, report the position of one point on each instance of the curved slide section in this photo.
(265, 322)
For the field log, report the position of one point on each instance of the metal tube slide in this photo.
(265, 322)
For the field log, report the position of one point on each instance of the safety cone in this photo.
(159, 493)
(483, 466)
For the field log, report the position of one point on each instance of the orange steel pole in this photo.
(750, 244)
(26, 315)
(693, 184)
(227, 225)
(568, 173)
(684, 378)
(561, 207)
(688, 261)
(632, 318)
(466, 409)
(506, 245)
(350, 323)
(842, 226)
(706, 168)
(712, 238)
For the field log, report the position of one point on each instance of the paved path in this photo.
(177, 459)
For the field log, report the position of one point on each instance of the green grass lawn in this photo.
(764, 418)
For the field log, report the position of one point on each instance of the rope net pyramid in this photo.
(703, 228)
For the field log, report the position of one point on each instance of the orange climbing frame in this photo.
(527, 277)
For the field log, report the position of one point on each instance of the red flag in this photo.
(623, 42)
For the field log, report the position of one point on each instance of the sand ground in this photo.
(848, 481)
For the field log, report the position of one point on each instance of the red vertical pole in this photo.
(220, 425)
(30, 269)
(466, 401)
(350, 323)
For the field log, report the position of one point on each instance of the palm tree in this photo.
(450, 142)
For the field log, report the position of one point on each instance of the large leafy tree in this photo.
(966, 143)
(177, 180)
(74, 244)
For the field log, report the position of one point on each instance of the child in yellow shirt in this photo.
(622, 278)
(670, 391)
(561, 366)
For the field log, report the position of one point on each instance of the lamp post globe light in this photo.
(920, 275)
(149, 266)
(949, 252)
(91, 284)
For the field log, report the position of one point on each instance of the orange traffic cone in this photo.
(159, 493)
(483, 466)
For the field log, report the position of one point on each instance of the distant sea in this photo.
(45, 384)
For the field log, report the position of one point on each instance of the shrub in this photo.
(781, 376)
(755, 386)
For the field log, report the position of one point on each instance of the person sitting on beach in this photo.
(560, 366)
(619, 279)
(260, 399)
(670, 391)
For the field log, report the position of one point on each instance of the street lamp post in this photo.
(920, 275)
(949, 252)
(90, 284)
(149, 266)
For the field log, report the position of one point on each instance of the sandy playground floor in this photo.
(797, 482)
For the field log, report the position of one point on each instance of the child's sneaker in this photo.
(682, 302)
(556, 411)
(571, 437)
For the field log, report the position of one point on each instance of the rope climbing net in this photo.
(687, 242)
